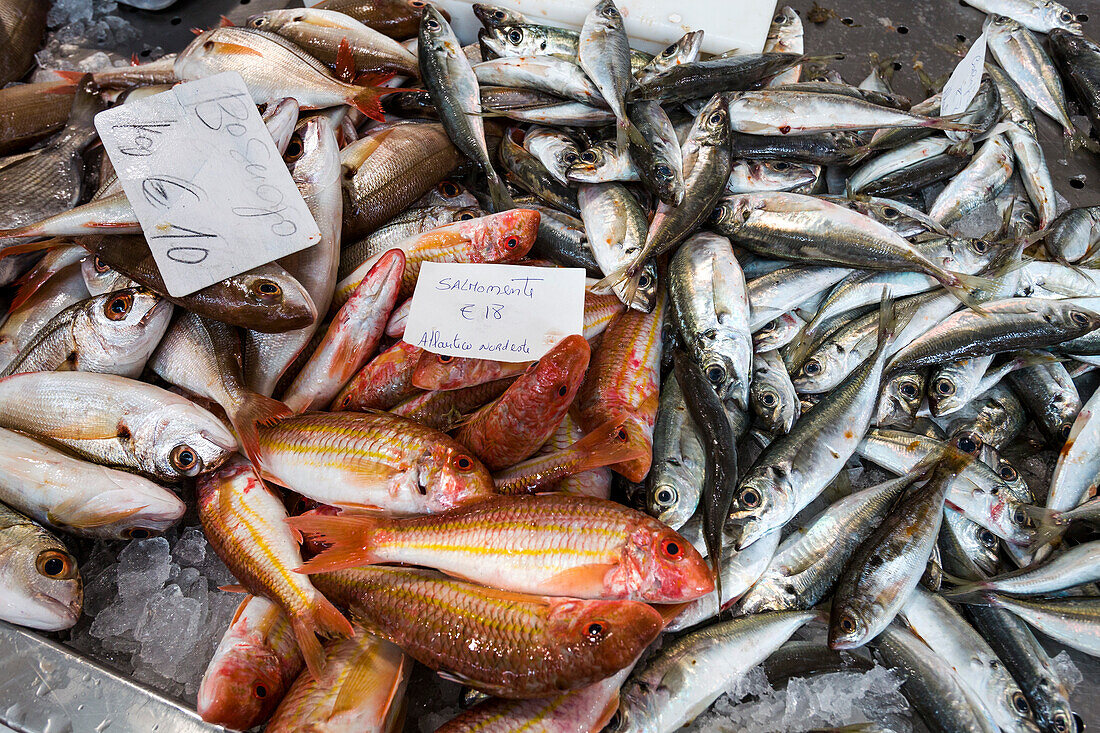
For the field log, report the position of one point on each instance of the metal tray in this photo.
(46, 687)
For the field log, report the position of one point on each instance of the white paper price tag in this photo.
(499, 312)
(963, 83)
(212, 193)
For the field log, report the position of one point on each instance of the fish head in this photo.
(242, 688)
(466, 213)
(436, 34)
(734, 211)
(781, 175)
(668, 181)
(1076, 320)
(591, 164)
(42, 585)
(785, 20)
(777, 412)
(515, 40)
(558, 374)
(712, 126)
(274, 298)
(121, 328)
(660, 566)
(448, 476)
(507, 236)
(639, 707)
(272, 20)
(607, 13)
(181, 440)
(849, 625)
(685, 49)
(99, 278)
(944, 395)
(825, 369)
(670, 488)
(448, 193)
(314, 156)
(762, 493)
(1014, 481)
(1000, 25)
(1066, 38)
(727, 363)
(901, 398)
(603, 636)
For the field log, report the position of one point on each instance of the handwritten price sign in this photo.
(963, 83)
(499, 312)
(211, 191)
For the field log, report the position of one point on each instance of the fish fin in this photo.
(73, 77)
(605, 445)
(324, 619)
(498, 192)
(234, 588)
(579, 581)
(629, 274)
(240, 609)
(950, 122)
(311, 649)
(1072, 139)
(349, 538)
(29, 284)
(367, 101)
(256, 409)
(669, 611)
(25, 247)
(975, 597)
(235, 49)
(224, 22)
(888, 322)
(361, 680)
(345, 62)
(610, 707)
(970, 289)
(964, 589)
(1047, 527)
(197, 31)
(74, 507)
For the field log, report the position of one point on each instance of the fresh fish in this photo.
(453, 86)
(556, 150)
(785, 36)
(1078, 58)
(254, 665)
(371, 460)
(244, 522)
(775, 175)
(1075, 473)
(24, 24)
(787, 288)
(911, 167)
(720, 74)
(321, 33)
(1049, 394)
(615, 225)
(977, 183)
(1041, 16)
(515, 36)
(827, 147)
(398, 19)
(38, 576)
(602, 163)
(684, 51)
(533, 646)
(1071, 621)
(272, 68)
(1074, 235)
(65, 288)
(526, 171)
(494, 16)
(361, 688)
(603, 52)
(675, 482)
(116, 421)
(772, 394)
(446, 410)
(659, 162)
(32, 112)
(383, 383)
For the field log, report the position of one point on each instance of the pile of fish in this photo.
(782, 289)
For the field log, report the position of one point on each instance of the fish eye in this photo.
(184, 458)
(780, 166)
(569, 157)
(1029, 218)
(208, 46)
(611, 11)
(1060, 723)
(563, 390)
(515, 36)
(588, 156)
(768, 399)
(294, 148)
(644, 281)
(621, 434)
(464, 463)
(944, 387)
(259, 691)
(749, 498)
(345, 402)
(846, 623)
(716, 118)
(778, 19)
(450, 189)
(715, 373)
(1020, 703)
(1065, 17)
(419, 4)
(1065, 431)
(431, 24)
(445, 358)
(1019, 517)
(99, 266)
(594, 632)
(119, 306)
(987, 538)
(498, 14)
(666, 496)
(465, 216)
(1007, 472)
(266, 290)
(259, 22)
(981, 246)
(511, 242)
(670, 51)
(663, 172)
(671, 549)
(55, 564)
(136, 533)
(812, 368)
(889, 212)
(968, 443)
(1079, 318)
(908, 390)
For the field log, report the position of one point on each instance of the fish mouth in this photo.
(66, 612)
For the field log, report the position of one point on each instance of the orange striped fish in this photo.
(245, 523)
(502, 643)
(443, 410)
(503, 237)
(252, 668)
(551, 544)
(593, 482)
(624, 379)
(361, 690)
(386, 381)
(371, 461)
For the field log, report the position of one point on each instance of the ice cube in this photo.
(1067, 670)
(190, 548)
(144, 566)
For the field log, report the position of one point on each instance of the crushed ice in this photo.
(85, 35)
(154, 610)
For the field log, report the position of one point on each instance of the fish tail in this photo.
(350, 540)
(1046, 525)
(25, 247)
(498, 191)
(628, 274)
(85, 104)
(971, 290)
(368, 100)
(321, 618)
(609, 443)
(966, 589)
(887, 320)
(974, 597)
(73, 77)
(1073, 139)
(256, 409)
(949, 122)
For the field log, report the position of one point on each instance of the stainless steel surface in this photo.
(47, 687)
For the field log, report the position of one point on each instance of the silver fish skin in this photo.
(39, 578)
(453, 85)
(711, 310)
(1018, 649)
(683, 51)
(785, 36)
(494, 16)
(604, 162)
(1074, 622)
(776, 175)
(1074, 476)
(675, 480)
(317, 174)
(1022, 57)
(968, 549)
(899, 217)
(996, 418)
(1049, 394)
(1041, 16)
(901, 399)
(809, 561)
(976, 184)
(100, 279)
(615, 224)
(787, 288)
(660, 162)
(113, 213)
(603, 52)
(796, 467)
(518, 37)
(555, 149)
(886, 568)
(79, 497)
(1076, 566)
(1032, 164)
(773, 396)
(542, 73)
(1008, 324)
(779, 332)
(932, 687)
(281, 118)
(64, 288)
(114, 333)
(686, 676)
(948, 634)
(116, 421)
(1074, 235)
